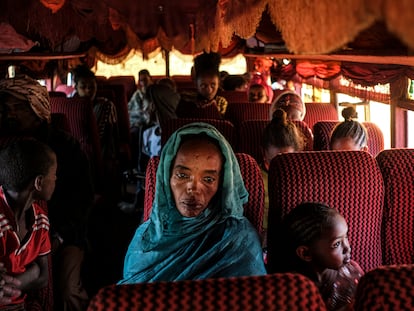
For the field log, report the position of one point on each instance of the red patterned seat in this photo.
(170, 126)
(253, 181)
(120, 100)
(127, 81)
(386, 288)
(251, 133)
(234, 96)
(397, 168)
(319, 111)
(322, 132)
(82, 124)
(276, 292)
(349, 181)
(236, 113)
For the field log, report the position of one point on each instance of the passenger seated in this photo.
(279, 136)
(258, 94)
(349, 134)
(138, 116)
(291, 103)
(25, 112)
(27, 177)
(105, 113)
(207, 76)
(314, 242)
(196, 229)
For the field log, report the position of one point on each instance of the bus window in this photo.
(380, 114)
(410, 128)
(315, 94)
(376, 112)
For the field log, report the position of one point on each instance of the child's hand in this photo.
(8, 286)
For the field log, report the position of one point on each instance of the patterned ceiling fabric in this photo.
(53, 5)
(277, 292)
(322, 70)
(214, 23)
(386, 288)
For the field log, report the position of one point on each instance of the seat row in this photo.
(384, 288)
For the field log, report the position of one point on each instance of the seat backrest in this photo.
(319, 111)
(234, 96)
(253, 209)
(349, 181)
(397, 168)
(386, 288)
(236, 113)
(57, 94)
(322, 132)
(83, 126)
(127, 81)
(171, 125)
(275, 292)
(251, 133)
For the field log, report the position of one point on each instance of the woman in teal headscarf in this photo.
(196, 229)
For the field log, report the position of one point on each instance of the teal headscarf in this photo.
(219, 242)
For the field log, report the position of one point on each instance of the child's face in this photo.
(257, 95)
(48, 181)
(207, 86)
(86, 87)
(332, 251)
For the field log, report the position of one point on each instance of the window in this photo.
(410, 128)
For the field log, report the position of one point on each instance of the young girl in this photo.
(315, 243)
(350, 134)
(279, 136)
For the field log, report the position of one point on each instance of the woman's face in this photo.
(86, 87)
(17, 116)
(207, 86)
(195, 176)
(332, 251)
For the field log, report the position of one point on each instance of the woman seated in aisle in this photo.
(349, 134)
(196, 229)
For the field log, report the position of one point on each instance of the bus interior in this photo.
(333, 54)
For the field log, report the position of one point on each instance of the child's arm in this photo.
(36, 274)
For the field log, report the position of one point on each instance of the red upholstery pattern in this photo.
(234, 96)
(319, 111)
(189, 110)
(251, 133)
(322, 132)
(82, 124)
(60, 121)
(127, 81)
(349, 181)
(170, 126)
(386, 288)
(57, 94)
(236, 113)
(397, 168)
(253, 209)
(275, 292)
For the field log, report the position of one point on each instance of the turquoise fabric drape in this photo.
(220, 242)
